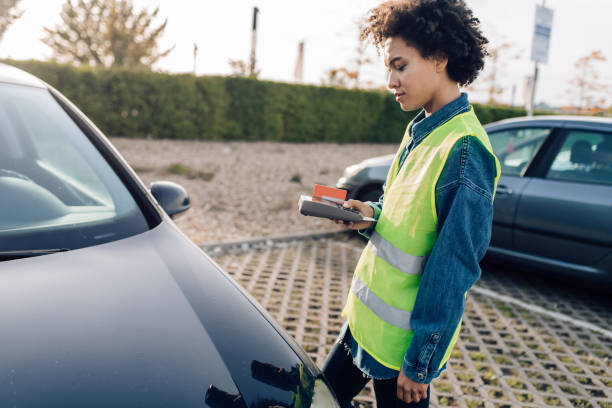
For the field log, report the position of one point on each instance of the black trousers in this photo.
(347, 380)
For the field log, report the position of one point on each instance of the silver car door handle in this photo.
(503, 190)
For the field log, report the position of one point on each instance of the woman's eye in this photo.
(401, 67)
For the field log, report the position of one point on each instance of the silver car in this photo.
(553, 206)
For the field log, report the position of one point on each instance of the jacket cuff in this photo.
(422, 377)
(420, 370)
(367, 232)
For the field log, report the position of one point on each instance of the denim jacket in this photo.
(464, 203)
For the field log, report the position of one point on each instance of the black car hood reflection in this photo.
(148, 321)
(297, 380)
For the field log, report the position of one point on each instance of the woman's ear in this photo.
(441, 62)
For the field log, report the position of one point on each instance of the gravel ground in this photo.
(241, 190)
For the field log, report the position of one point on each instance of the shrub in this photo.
(141, 103)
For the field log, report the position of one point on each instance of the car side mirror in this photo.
(172, 197)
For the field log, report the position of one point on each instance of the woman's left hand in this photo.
(410, 391)
(364, 209)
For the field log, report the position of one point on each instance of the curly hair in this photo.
(445, 28)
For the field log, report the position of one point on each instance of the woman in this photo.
(408, 292)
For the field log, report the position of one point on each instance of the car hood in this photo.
(385, 160)
(145, 321)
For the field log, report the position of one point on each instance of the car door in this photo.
(565, 214)
(515, 148)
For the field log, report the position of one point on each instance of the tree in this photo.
(241, 68)
(587, 85)
(350, 76)
(497, 59)
(106, 33)
(8, 14)
(338, 77)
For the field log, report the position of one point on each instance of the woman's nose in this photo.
(392, 81)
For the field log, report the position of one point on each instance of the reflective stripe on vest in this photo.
(392, 315)
(407, 263)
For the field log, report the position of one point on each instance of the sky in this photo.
(329, 28)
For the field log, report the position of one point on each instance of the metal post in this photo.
(195, 57)
(253, 42)
(533, 90)
(299, 64)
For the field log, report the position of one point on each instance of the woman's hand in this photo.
(410, 391)
(365, 211)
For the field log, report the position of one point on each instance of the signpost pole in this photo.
(252, 61)
(533, 89)
(195, 57)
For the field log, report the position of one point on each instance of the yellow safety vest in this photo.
(389, 271)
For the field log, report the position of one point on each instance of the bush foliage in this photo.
(141, 103)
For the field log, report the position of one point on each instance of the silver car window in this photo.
(585, 156)
(516, 147)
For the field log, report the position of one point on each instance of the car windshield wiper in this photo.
(9, 255)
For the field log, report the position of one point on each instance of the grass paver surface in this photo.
(507, 356)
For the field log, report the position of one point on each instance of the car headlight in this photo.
(350, 171)
(323, 397)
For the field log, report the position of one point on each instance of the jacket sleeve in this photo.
(465, 210)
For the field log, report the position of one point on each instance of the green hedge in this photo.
(139, 103)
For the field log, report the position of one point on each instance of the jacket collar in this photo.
(422, 126)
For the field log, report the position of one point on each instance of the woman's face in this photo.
(413, 79)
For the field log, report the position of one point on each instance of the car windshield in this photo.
(57, 192)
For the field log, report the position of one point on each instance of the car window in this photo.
(515, 147)
(585, 156)
(58, 191)
(60, 156)
(10, 145)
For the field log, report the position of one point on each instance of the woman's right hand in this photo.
(364, 209)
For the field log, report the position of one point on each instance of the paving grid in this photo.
(507, 356)
(551, 293)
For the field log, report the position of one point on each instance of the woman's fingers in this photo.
(363, 208)
(400, 394)
(410, 391)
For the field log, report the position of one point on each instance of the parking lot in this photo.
(528, 340)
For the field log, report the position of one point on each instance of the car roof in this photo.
(16, 76)
(554, 120)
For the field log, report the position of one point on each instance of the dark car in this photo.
(104, 302)
(553, 206)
